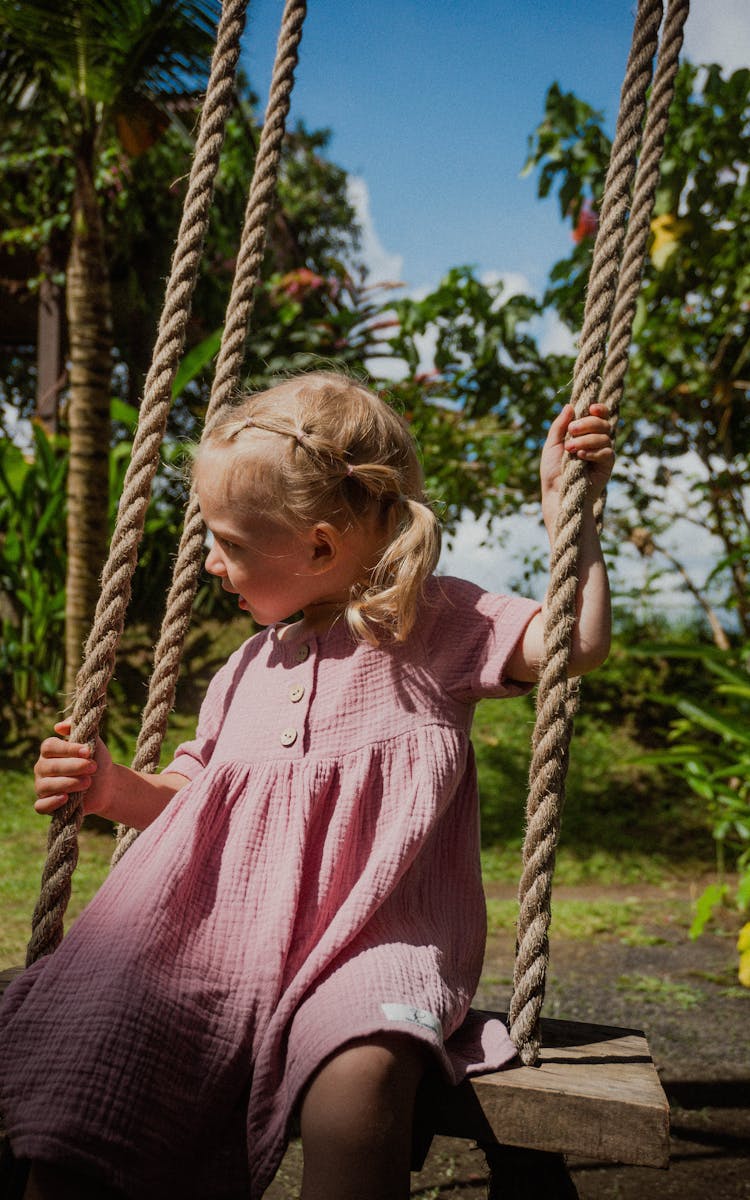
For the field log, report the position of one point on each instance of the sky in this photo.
(430, 104)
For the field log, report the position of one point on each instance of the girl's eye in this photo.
(225, 544)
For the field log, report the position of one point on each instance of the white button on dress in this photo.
(296, 693)
(288, 737)
(302, 652)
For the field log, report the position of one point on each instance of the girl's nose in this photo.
(213, 563)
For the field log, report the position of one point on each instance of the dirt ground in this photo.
(684, 995)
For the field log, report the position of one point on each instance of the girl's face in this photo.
(276, 571)
(263, 565)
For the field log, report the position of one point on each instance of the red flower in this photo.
(588, 222)
(297, 283)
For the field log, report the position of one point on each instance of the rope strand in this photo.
(644, 192)
(101, 647)
(187, 568)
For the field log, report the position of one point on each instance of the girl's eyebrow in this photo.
(226, 535)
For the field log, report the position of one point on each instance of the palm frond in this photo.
(91, 53)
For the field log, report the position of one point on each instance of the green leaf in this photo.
(705, 906)
(195, 361)
(732, 731)
(126, 414)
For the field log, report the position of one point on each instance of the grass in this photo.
(620, 820)
(622, 824)
(583, 920)
(661, 991)
(22, 854)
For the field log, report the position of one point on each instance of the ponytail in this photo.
(390, 601)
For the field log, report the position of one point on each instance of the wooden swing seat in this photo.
(596, 1094)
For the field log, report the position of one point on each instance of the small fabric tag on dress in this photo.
(415, 1016)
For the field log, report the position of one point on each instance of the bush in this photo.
(32, 574)
(710, 750)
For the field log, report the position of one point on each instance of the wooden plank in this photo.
(7, 976)
(596, 1094)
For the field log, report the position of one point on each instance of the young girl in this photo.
(300, 928)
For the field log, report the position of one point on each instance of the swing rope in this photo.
(101, 646)
(556, 697)
(644, 194)
(189, 562)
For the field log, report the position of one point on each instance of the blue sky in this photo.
(430, 104)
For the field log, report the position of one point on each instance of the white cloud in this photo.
(554, 337)
(498, 568)
(719, 31)
(382, 265)
(514, 283)
(688, 540)
(494, 567)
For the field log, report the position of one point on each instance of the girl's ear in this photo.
(325, 546)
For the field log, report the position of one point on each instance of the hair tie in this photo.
(248, 423)
(349, 469)
(299, 434)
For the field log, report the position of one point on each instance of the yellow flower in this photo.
(743, 945)
(667, 230)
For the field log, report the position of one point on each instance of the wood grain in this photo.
(596, 1094)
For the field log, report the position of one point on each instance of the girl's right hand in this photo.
(64, 767)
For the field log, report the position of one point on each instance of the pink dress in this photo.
(317, 881)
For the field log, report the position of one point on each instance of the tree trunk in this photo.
(90, 337)
(49, 372)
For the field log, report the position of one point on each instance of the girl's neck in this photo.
(319, 618)
(316, 618)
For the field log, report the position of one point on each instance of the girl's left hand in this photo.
(587, 438)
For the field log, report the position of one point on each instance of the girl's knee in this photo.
(365, 1092)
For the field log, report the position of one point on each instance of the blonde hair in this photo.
(346, 456)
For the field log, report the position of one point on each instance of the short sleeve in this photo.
(190, 758)
(469, 635)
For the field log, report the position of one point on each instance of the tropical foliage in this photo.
(479, 412)
(709, 750)
(685, 440)
(72, 76)
(32, 576)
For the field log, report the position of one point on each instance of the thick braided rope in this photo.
(553, 731)
(101, 646)
(228, 369)
(636, 242)
(644, 192)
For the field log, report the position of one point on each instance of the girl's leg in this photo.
(356, 1121)
(47, 1182)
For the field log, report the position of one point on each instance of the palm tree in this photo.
(91, 71)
